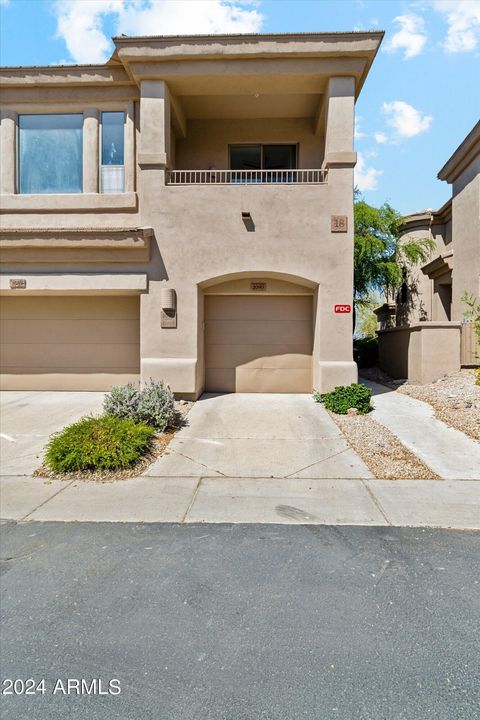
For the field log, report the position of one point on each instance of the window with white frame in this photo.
(50, 153)
(112, 162)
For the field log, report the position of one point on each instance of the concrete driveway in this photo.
(28, 418)
(259, 436)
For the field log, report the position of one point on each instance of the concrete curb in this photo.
(400, 503)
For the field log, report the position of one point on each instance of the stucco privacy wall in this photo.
(421, 352)
(197, 237)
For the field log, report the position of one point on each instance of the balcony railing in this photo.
(246, 177)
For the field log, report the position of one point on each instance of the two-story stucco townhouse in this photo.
(183, 212)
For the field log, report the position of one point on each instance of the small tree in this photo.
(381, 261)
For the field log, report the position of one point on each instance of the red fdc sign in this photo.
(342, 308)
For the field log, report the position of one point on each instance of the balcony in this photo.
(247, 177)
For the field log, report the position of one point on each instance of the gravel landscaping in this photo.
(455, 398)
(381, 451)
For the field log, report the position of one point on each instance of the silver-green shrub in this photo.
(122, 401)
(153, 405)
(156, 405)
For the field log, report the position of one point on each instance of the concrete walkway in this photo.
(448, 452)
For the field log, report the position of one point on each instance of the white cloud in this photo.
(366, 178)
(80, 22)
(357, 132)
(405, 119)
(411, 38)
(380, 138)
(463, 20)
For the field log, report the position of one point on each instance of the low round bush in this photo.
(344, 397)
(153, 404)
(98, 443)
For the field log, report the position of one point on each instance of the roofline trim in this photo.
(455, 164)
(263, 36)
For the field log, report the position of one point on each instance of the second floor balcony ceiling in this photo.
(249, 76)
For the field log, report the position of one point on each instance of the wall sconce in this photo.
(248, 221)
(168, 301)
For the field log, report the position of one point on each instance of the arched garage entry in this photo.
(258, 333)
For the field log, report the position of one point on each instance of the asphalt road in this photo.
(208, 622)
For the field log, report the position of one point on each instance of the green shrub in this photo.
(153, 405)
(98, 443)
(344, 397)
(477, 373)
(365, 351)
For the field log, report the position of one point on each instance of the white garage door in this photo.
(258, 344)
(69, 343)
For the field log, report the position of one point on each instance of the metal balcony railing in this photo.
(246, 177)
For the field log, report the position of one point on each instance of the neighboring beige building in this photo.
(430, 337)
(183, 212)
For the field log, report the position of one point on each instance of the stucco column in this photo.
(7, 151)
(339, 122)
(154, 124)
(91, 158)
(332, 355)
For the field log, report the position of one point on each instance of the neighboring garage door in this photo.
(69, 343)
(258, 344)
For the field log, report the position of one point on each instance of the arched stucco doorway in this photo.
(258, 333)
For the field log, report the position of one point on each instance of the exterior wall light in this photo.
(168, 301)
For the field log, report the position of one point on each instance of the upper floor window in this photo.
(263, 157)
(112, 152)
(50, 153)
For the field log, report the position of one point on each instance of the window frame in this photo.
(261, 145)
(26, 113)
(100, 149)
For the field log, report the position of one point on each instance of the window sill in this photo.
(74, 201)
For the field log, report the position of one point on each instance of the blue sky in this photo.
(421, 98)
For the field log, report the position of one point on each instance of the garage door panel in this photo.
(69, 355)
(273, 380)
(58, 381)
(257, 332)
(220, 379)
(241, 307)
(84, 331)
(258, 343)
(221, 356)
(70, 308)
(70, 343)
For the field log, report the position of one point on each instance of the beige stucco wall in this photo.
(466, 233)
(207, 142)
